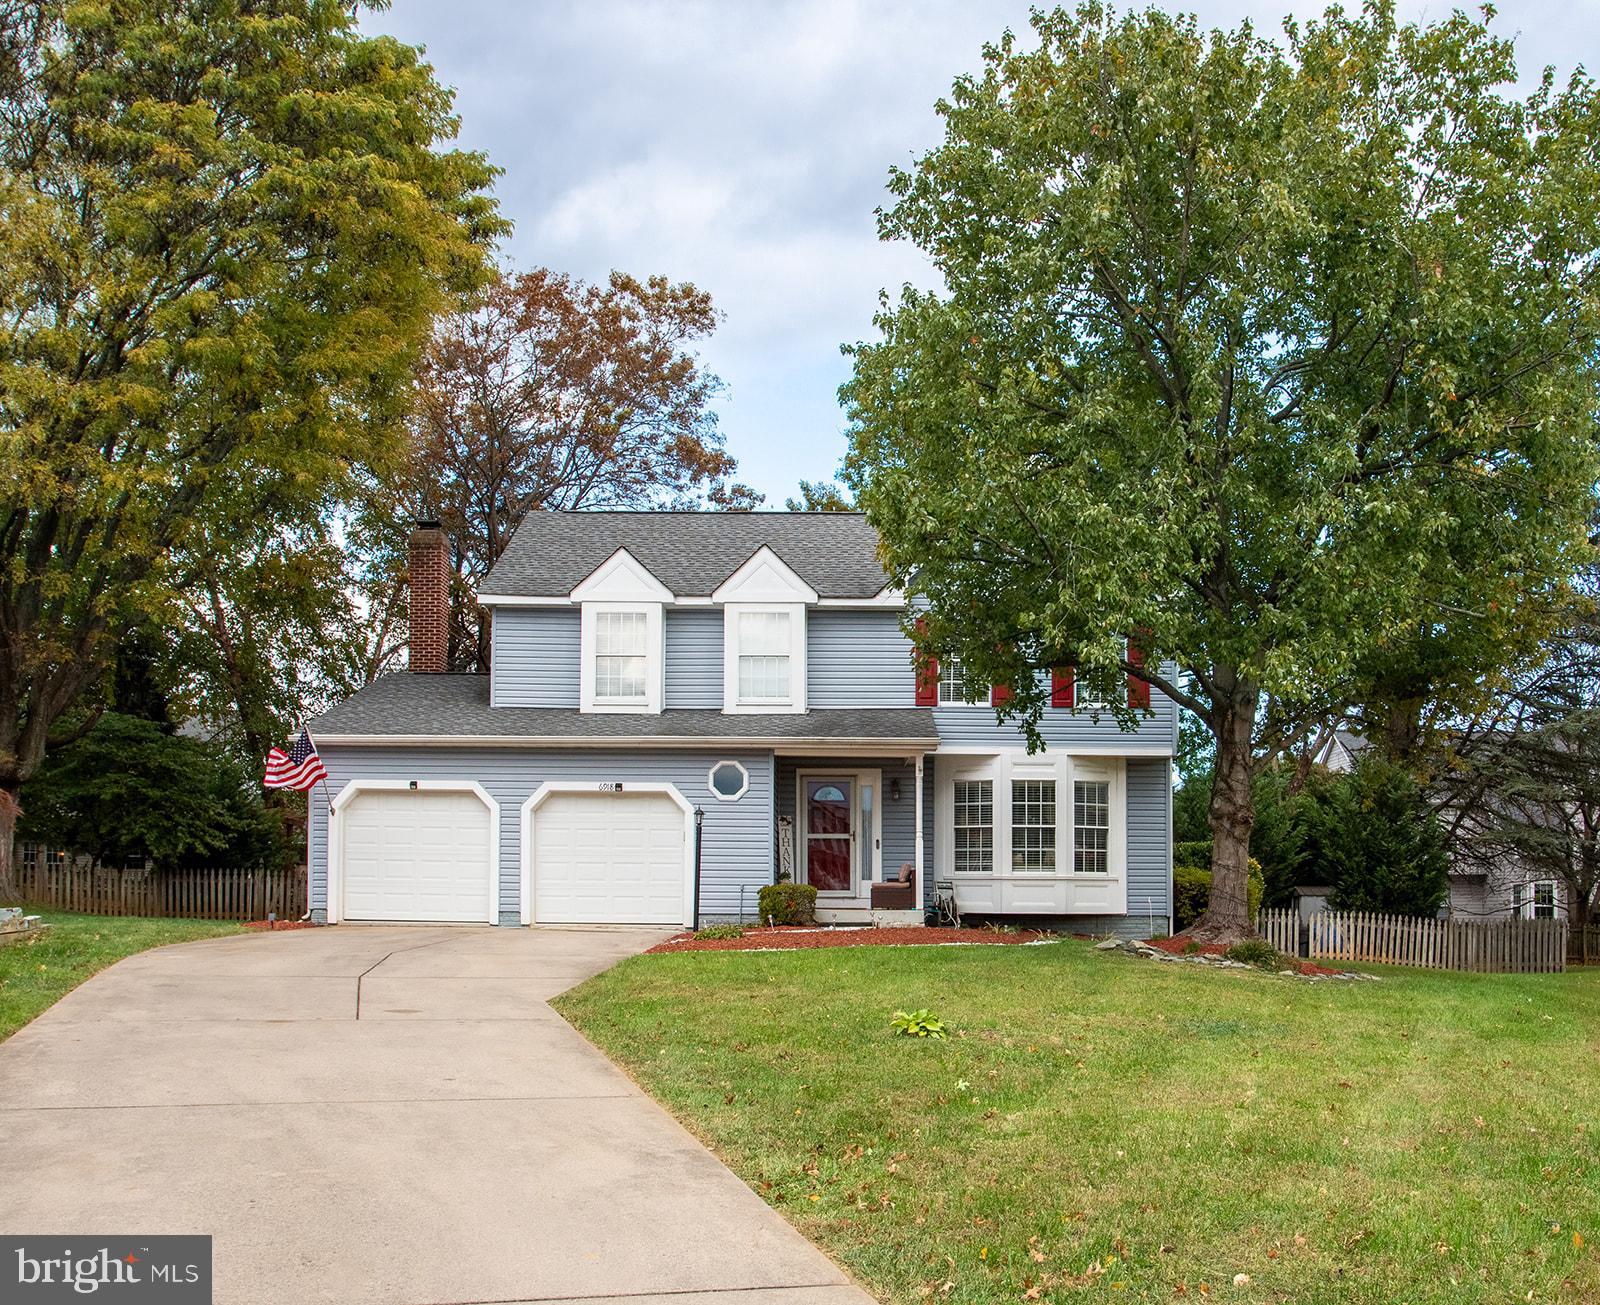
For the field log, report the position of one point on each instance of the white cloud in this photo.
(744, 146)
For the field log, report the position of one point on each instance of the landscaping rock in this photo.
(1109, 945)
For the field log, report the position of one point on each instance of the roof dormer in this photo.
(764, 578)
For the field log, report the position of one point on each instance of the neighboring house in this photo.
(1340, 753)
(750, 671)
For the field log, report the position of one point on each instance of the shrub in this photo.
(1192, 851)
(1372, 836)
(1258, 952)
(716, 931)
(1191, 890)
(788, 904)
(918, 1024)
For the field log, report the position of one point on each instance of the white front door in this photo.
(416, 856)
(838, 830)
(601, 858)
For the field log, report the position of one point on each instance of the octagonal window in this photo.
(728, 780)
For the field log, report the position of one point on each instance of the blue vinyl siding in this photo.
(534, 659)
(1061, 728)
(694, 657)
(738, 835)
(1149, 841)
(858, 658)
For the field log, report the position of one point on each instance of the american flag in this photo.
(300, 768)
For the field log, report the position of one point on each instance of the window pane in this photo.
(1091, 823)
(1033, 825)
(954, 684)
(764, 632)
(619, 664)
(619, 632)
(763, 679)
(974, 826)
(1544, 900)
(764, 657)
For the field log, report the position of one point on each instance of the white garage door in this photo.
(416, 855)
(608, 858)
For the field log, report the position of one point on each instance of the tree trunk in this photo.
(1231, 815)
(10, 809)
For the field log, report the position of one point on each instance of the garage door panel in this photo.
(609, 858)
(416, 856)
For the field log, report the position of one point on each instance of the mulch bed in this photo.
(794, 937)
(276, 925)
(1184, 947)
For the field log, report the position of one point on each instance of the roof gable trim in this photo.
(621, 578)
(764, 578)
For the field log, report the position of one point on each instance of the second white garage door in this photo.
(609, 858)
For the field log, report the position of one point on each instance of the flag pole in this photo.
(328, 838)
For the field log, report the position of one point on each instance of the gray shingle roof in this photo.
(404, 705)
(692, 553)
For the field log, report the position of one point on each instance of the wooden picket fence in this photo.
(77, 884)
(1583, 946)
(1478, 946)
(1280, 926)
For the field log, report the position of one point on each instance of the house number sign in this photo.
(611, 786)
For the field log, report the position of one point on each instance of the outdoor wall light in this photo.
(894, 790)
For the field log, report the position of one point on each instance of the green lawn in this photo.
(1107, 1126)
(34, 975)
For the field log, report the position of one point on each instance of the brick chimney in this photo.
(429, 577)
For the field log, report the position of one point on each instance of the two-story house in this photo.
(726, 698)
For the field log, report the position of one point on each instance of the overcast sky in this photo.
(743, 145)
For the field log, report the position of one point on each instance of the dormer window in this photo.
(621, 657)
(765, 642)
(621, 637)
(764, 636)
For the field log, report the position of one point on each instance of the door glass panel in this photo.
(828, 842)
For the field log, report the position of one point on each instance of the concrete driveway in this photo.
(380, 1115)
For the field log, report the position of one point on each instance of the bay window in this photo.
(1033, 825)
(974, 826)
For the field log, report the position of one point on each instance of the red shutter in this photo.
(999, 696)
(1062, 686)
(1138, 690)
(927, 669)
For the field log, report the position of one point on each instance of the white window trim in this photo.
(1005, 767)
(1527, 889)
(731, 702)
(353, 789)
(744, 786)
(654, 665)
(984, 699)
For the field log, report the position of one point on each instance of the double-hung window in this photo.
(1535, 901)
(974, 826)
(1091, 826)
(620, 656)
(765, 644)
(1033, 825)
(955, 685)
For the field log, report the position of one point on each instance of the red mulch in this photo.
(275, 925)
(791, 937)
(1181, 946)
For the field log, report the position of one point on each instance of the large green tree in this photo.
(225, 230)
(1252, 354)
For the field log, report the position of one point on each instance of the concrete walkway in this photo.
(380, 1115)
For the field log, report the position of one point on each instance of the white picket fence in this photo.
(1280, 926)
(1479, 946)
